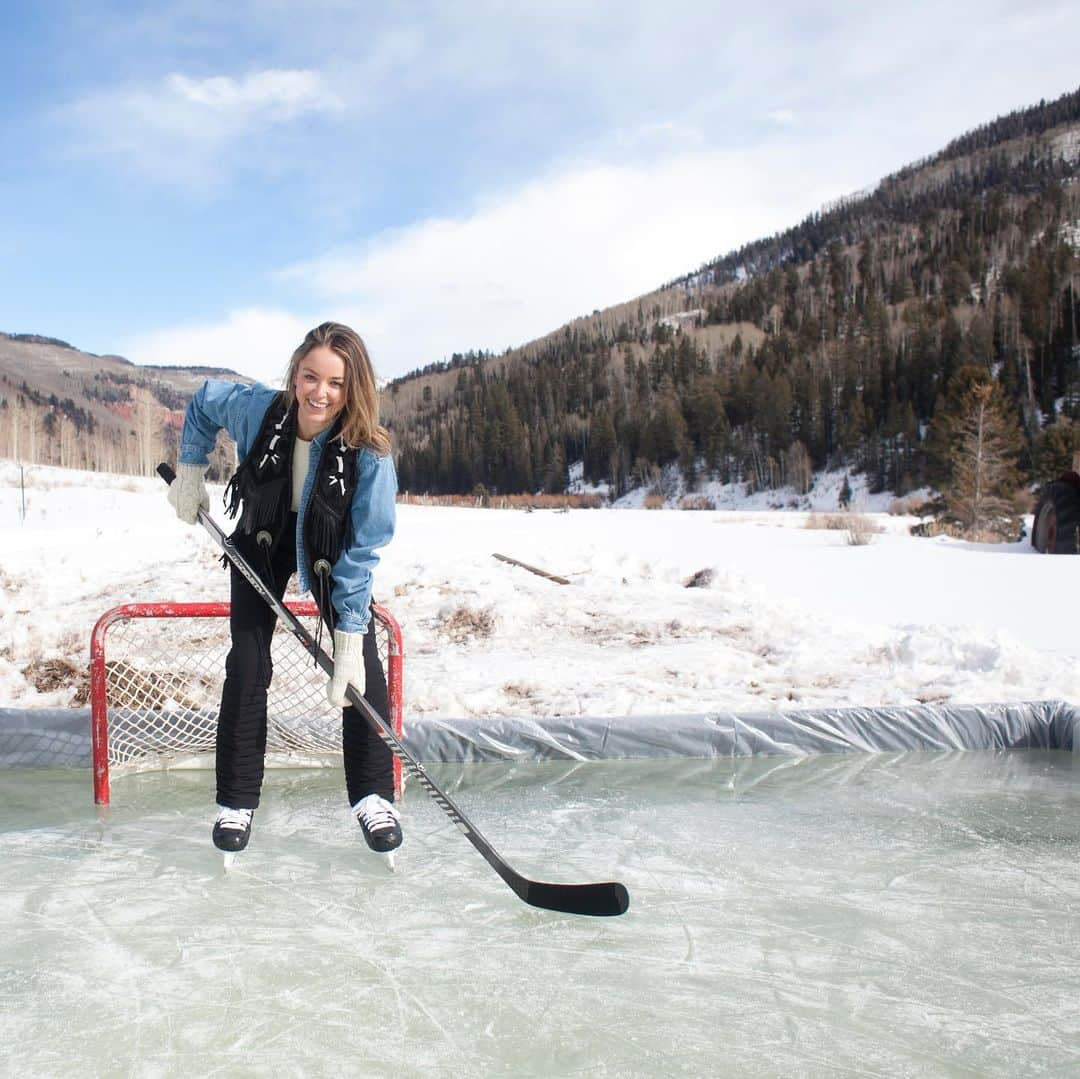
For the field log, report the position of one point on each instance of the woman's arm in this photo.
(373, 515)
(220, 405)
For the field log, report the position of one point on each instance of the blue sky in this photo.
(198, 182)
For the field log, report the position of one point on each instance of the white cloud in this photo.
(523, 264)
(254, 341)
(187, 130)
(277, 96)
(661, 134)
(517, 267)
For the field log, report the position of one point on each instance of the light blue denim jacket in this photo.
(240, 411)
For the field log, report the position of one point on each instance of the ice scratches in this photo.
(884, 914)
(674, 909)
(345, 917)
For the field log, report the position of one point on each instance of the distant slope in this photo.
(65, 407)
(840, 342)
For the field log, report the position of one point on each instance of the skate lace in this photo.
(234, 818)
(376, 814)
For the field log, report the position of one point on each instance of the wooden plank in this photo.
(531, 569)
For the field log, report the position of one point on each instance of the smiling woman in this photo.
(315, 492)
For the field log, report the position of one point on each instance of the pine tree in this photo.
(601, 449)
(984, 475)
(1056, 448)
(844, 498)
(555, 475)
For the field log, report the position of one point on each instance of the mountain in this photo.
(65, 407)
(846, 341)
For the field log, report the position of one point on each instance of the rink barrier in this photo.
(52, 738)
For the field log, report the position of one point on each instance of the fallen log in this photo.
(531, 569)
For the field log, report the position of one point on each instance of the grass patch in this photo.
(464, 624)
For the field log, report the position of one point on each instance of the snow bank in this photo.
(793, 617)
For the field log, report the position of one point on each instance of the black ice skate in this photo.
(232, 830)
(381, 825)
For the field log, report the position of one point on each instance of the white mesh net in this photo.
(163, 678)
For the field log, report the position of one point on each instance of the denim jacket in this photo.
(240, 410)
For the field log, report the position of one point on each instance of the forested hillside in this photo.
(855, 339)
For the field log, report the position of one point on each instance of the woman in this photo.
(315, 490)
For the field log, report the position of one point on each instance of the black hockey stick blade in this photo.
(598, 900)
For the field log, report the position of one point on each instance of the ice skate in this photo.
(232, 830)
(381, 824)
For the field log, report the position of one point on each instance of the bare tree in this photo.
(986, 443)
(148, 431)
(798, 467)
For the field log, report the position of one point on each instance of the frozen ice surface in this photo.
(886, 914)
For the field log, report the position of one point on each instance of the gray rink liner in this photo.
(50, 738)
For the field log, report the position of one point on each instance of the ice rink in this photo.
(863, 914)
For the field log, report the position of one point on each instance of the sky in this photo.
(191, 182)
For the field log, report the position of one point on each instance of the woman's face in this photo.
(320, 391)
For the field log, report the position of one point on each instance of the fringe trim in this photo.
(274, 497)
(325, 531)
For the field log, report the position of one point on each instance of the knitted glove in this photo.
(187, 493)
(348, 667)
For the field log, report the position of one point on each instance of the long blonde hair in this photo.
(360, 417)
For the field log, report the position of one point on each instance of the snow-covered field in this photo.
(793, 616)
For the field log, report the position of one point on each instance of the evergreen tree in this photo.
(1056, 448)
(843, 500)
(556, 477)
(599, 457)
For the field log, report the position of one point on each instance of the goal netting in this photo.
(156, 671)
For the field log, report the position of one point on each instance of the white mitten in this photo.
(187, 493)
(348, 667)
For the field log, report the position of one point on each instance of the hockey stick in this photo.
(597, 899)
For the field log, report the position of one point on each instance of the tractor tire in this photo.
(1057, 517)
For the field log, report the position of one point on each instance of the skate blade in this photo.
(387, 859)
(228, 860)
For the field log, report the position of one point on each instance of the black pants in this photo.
(241, 734)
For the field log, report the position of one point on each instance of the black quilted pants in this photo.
(241, 735)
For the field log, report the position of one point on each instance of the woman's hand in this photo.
(187, 493)
(348, 667)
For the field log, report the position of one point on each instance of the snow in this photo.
(1067, 145)
(794, 615)
(823, 496)
(678, 319)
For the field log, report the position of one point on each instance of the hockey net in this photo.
(156, 672)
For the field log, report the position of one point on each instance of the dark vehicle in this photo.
(1057, 515)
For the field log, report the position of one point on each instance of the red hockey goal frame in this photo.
(192, 735)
